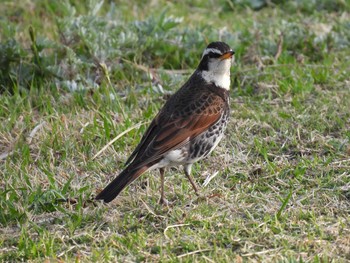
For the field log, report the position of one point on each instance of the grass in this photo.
(76, 75)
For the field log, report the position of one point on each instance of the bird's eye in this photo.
(213, 55)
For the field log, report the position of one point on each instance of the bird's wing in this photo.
(145, 137)
(177, 123)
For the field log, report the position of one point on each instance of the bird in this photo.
(187, 128)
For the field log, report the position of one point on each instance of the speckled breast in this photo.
(205, 143)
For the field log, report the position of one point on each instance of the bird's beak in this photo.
(227, 55)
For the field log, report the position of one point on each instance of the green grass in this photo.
(73, 76)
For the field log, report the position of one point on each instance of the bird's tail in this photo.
(119, 183)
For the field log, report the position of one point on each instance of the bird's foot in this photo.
(164, 201)
(201, 198)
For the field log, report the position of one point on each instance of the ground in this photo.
(79, 84)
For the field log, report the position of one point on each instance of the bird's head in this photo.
(216, 63)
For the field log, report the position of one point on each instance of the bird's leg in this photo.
(162, 197)
(187, 173)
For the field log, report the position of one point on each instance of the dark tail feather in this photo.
(119, 183)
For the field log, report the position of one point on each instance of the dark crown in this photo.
(221, 46)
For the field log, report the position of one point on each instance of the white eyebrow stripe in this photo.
(208, 50)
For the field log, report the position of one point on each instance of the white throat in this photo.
(219, 73)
